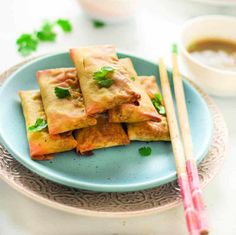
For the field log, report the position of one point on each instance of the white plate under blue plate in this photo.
(116, 169)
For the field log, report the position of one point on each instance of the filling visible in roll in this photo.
(62, 100)
(130, 113)
(104, 81)
(150, 130)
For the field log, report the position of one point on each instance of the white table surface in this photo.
(149, 34)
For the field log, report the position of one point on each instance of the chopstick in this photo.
(190, 213)
(188, 148)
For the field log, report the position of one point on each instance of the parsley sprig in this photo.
(102, 76)
(39, 125)
(65, 25)
(157, 102)
(28, 43)
(145, 151)
(62, 92)
(175, 49)
(98, 24)
(46, 33)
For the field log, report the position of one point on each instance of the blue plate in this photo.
(117, 169)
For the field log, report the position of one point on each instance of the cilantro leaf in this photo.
(145, 151)
(107, 69)
(101, 76)
(39, 125)
(162, 110)
(157, 102)
(159, 107)
(98, 24)
(46, 33)
(174, 49)
(27, 44)
(62, 92)
(65, 25)
(103, 72)
(132, 78)
(158, 97)
(104, 82)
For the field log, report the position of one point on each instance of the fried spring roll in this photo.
(150, 130)
(130, 113)
(102, 135)
(150, 85)
(41, 143)
(63, 113)
(98, 98)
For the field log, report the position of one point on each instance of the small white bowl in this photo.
(109, 11)
(215, 81)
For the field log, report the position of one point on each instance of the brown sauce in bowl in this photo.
(216, 53)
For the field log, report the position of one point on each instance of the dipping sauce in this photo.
(217, 53)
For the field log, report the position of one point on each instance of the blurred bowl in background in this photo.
(213, 80)
(109, 11)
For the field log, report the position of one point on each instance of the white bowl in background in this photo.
(109, 11)
(215, 81)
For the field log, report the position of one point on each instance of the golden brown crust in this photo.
(102, 135)
(89, 60)
(150, 130)
(67, 113)
(42, 143)
(130, 113)
(128, 65)
(150, 85)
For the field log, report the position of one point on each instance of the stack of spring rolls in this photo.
(92, 106)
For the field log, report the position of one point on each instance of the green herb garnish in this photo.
(28, 43)
(46, 33)
(162, 110)
(98, 24)
(104, 82)
(174, 49)
(39, 125)
(157, 102)
(65, 25)
(102, 76)
(145, 151)
(62, 92)
(132, 78)
(158, 98)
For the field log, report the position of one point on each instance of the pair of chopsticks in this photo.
(186, 166)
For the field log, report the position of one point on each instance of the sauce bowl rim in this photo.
(184, 50)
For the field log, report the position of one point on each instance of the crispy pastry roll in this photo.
(102, 90)
(102, 135)
(63, 100)
(128, 65)
(150, 130)
(41, 142)
(129, 112)
(149, 84)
